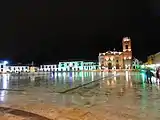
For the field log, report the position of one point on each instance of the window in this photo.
(79, 63)
(62, 65)
(126, 46)
(116, 60)
(1, 66)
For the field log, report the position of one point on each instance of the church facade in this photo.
(117, 60)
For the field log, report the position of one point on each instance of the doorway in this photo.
(117, 66)
(109, 65)
(70, 68)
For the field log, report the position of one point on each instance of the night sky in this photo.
(47, 32)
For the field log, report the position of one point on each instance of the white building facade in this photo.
(18, 69)
(90, 66)
(48, 68)
(135, 64)
(69, 66)
(3, 66)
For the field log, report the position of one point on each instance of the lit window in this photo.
(79, 63)
(62, 65)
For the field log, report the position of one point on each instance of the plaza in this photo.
(108, 96)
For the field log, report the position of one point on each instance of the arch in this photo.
(134, 67)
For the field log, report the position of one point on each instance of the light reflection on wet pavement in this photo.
(124, 97)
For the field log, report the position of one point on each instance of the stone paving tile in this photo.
(13, 117)
(3, 118)
(52, 112)
(17, 114)
(73, 113)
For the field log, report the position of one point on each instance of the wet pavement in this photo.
(122, 97)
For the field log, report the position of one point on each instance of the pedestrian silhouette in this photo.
(149, 75)
(158, 73)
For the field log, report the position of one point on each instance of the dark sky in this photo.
(45, 31)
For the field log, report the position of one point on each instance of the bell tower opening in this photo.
(126, 47)
(126, 44)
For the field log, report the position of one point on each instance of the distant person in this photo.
(149, 75)
(158, 73)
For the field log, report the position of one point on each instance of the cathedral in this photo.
(117, 60)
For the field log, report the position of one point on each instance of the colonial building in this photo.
(48, 68)
(18, 68)
(3, 66)
(117, 60)
(70, 66)
(136, 63)
(154, 59)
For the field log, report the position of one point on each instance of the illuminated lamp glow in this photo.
(111, 58)
(129, 57)
(5, 62)
(106, 58)
(126, 39)
(125, 58)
